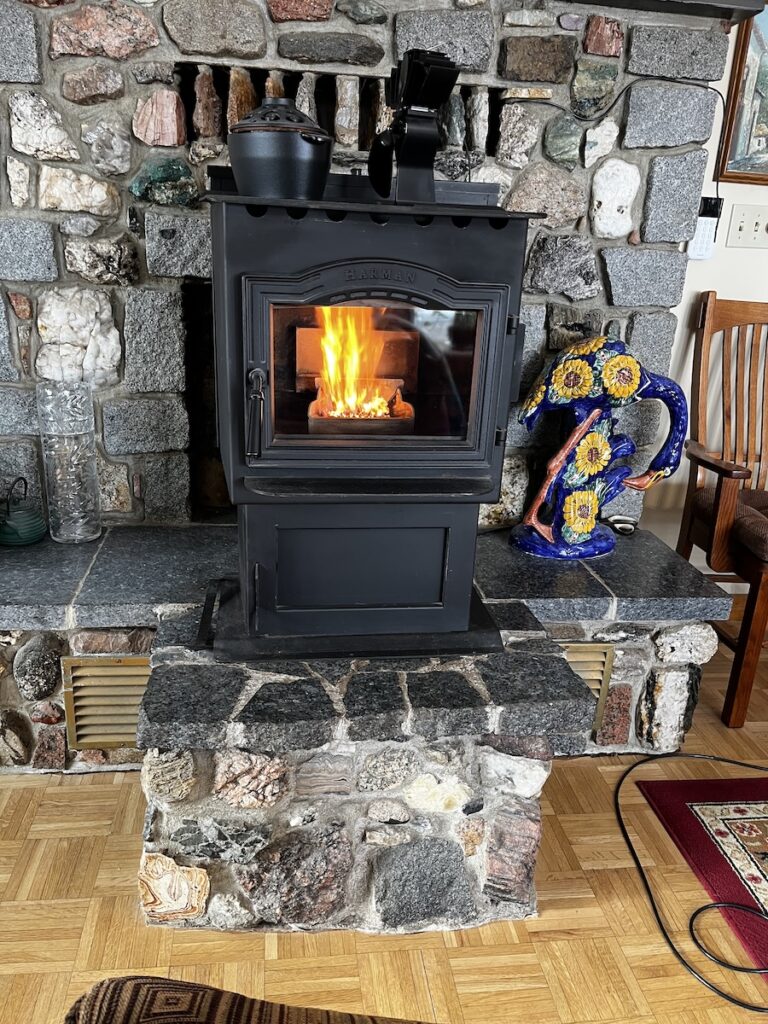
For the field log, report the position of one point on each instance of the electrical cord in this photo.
(692, 921)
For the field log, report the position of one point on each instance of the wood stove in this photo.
(368, 350)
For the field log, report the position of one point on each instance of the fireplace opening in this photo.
(366, 372)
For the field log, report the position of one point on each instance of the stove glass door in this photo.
(368, 374)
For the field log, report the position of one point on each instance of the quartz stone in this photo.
(592, 87)
(672, 199)
(51, 748)
(19, 55)
(15, 738)
(665, 708)
(465, 37)
(26, 250)
(389, 812)
(329, 48)
(518, 134)
(165, 182)
(203, 150)
(305, 95)
(563, 264)
(452, 121)
(614, 188)
(478, 112)
(82, 224)
(249, 780)
(670, 52)
(92, 84)
(178, 245)
(63, 189)
(665, 114)
(526, 92)
(645, 277)
(528, 18)
(519, 777)
(537, 58)
(37, 129)
(301, 879)
(110, 145)
(154, 341)
(18, 181)
(221, 28)
(546, 189)
(423, 882)
(36, 667)
(694, 642)
(207, 117)
(604, 36)
(226, 913)
(136, 425)
(169, 892)
(168, 775)
(160, 119)
(562, 140)
(600, 140)
(363, 12)
(103, 260)
(572, 22)
(114, 29)
(79, 340)
(431, 795)
(299, 10)
(386, 835)
(347, 121)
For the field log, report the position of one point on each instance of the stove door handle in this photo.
(256, 382)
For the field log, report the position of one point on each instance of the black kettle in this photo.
(277, 152)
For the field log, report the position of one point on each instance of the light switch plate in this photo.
(749, 227)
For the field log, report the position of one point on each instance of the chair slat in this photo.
(754, 368)
(727, 366)
(740, 405)
(762, 476)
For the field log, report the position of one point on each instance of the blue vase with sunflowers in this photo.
(589, 381)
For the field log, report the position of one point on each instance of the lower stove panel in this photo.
(345, 569)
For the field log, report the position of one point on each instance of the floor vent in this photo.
(102, 697)
(594, 663)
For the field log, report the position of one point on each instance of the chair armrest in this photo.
(732, 470)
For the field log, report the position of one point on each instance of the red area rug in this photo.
(721, 828)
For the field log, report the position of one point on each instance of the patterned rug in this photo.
(721, 828)
(162, 1001)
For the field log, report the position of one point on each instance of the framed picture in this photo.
(744, 153)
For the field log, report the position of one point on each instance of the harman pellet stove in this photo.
(368, 349)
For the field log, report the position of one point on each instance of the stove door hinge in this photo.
(513, 322)
(257, 380)
(501, 436)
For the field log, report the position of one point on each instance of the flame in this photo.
(351, 348)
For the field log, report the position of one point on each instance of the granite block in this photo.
(645, 277)
(673, 195)
(463, 36)
(26, 250)
(285, 715)
(515, 617)
(552, 590)
(178, 245)
(650, 581)
(538, 695)
(20, 53)
(661, 50)
(661, 114)
(444, 703)
(187, 706)
(18, 411)
(145, 425)
(650, 337)
(141, 569)
(39, 583)
(375, 705)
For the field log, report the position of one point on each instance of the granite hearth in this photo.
(377, 793)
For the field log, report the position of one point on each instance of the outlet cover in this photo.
(749, 227)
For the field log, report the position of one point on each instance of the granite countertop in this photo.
(138, 575)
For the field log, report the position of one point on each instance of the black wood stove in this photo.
(368, 350)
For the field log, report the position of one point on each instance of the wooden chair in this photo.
(727, 514)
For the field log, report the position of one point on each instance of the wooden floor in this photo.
(68, 915)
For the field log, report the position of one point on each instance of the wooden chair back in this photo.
(730, 358)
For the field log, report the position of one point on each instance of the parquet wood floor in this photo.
(68, 914)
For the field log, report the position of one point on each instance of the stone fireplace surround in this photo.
(110, 114)
(378, 794)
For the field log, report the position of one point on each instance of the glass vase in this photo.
(65, 412)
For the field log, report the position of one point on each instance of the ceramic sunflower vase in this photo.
(590, 381)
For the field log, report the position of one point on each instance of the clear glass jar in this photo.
(65, 412)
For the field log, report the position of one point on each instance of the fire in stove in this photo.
(353, 397)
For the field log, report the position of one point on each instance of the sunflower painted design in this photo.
(572, 379)
(621, 376)
(580, 511)
(586, 348)
(535, 397)
(593, 453)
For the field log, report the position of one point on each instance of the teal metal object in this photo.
(20, 522)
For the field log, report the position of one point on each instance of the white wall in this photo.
(732, 273)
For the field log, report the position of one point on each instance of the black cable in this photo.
(761, 914)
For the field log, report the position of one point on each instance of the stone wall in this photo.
(111, 112)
